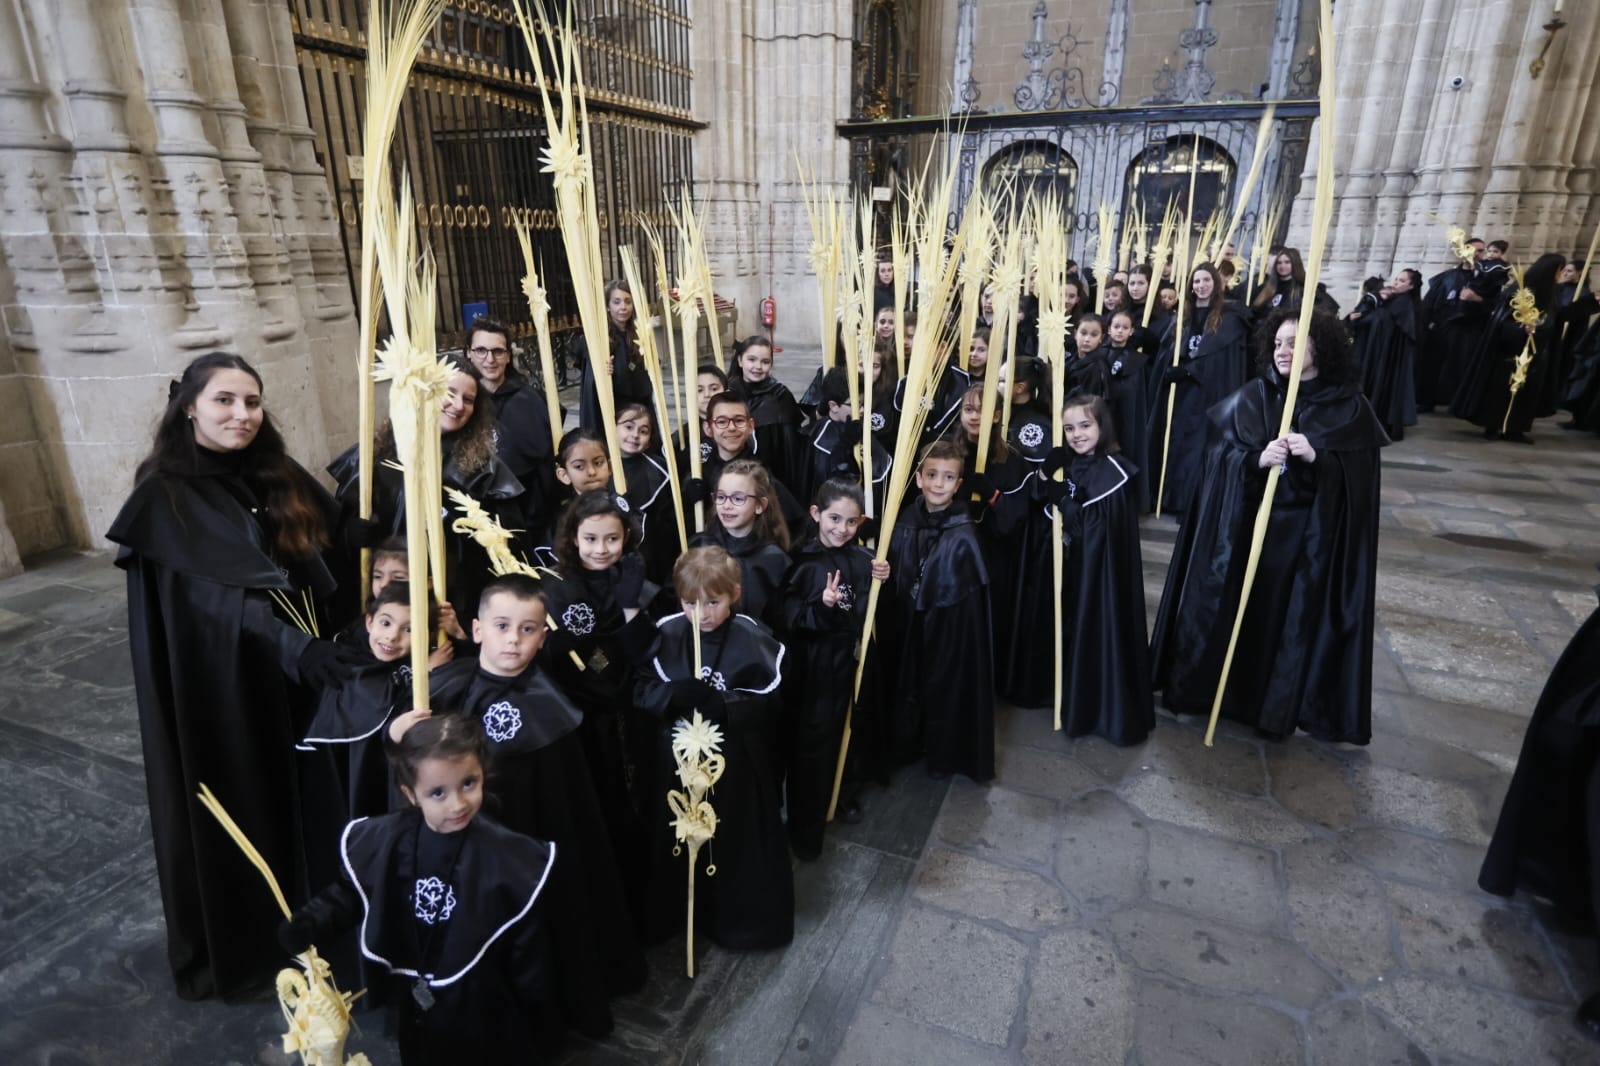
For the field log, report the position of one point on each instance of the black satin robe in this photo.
(1024, 661)
(777, 420)
(1218, 364)
(209, 664)
(349, 722)
(749, 901)
(1484, 397)
(487, 965)
(650, 501)
(822, 643)
(539, 784)
(938, 645)
(630, 381)
(832, 451)
(1105, 671)
(524, 446)
(1386, 349)
(1547, 841)
(1304, 658)
(1131, 371)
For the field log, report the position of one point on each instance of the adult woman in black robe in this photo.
(630, 381)
(1441, 311)
(470, 465)
(1547, 840)
(1214, 362)
(220, 520)
(1385, 343)
(1304, 657)
(1285, 288)
(1485, 398)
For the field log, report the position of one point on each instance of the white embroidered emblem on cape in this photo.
(501, 721)
(877, 421)
(847, 598)
(1031, 435)
(714, 679)
(434, 900)
(578, 619)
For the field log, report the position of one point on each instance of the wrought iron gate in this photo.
(471, 129)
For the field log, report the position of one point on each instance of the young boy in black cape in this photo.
(941, 662)
(542, 787)
(1304, 657)
(749, 903)
(835, 443)
(350, 716)
(1130, 401)
(1547, 840)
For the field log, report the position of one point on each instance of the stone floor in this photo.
(1253, 903)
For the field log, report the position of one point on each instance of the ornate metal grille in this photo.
(471, 129)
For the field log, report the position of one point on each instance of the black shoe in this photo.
(1491, 434)
(1588, 1017)
(1518, 438)
(850, 812)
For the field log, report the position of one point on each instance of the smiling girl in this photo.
(749, 526)
(824, 600)
(773, 410)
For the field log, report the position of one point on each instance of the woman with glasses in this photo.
(522, 418)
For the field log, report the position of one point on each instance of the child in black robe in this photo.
(1130, 401)
(452, 908)
(350, 716)
(601, 638)
(1105, 674)
(748, 524)
(542, 786)
(823, 603)
(835, 442)
(1088, 369)
(649, 498)
(1023, 664)
(773, 409)
(938, 628)
(749, 903)
(390, 563)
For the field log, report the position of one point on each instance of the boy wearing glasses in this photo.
(728, 434)
(522, 420)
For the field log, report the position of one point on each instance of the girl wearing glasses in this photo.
(749, 526)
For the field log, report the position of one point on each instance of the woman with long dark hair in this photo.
(1386, 336)
(630, 381)
(469, 463)
(1304, 657)
(1484, 397)
(222, 527)
(1285, 287)
(1214, 361)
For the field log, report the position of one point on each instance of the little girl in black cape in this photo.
(1105, 673)
(823, 604)
(773, 409)
(747, 522)
(749, 901)
(649, 500)
(1024, 662)
(450, 905)
(1304, 657)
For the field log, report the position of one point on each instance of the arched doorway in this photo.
(1029, 168)
(1160, 174)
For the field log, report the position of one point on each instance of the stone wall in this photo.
(1501, 154)
(160, 199)
(771, 79)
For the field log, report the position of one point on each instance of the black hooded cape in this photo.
(938, 643)
(539, 785)
(1213, 366)
(209, 664)
(1547, 840)
(1304, 658)
(1105, 672)
(1386, 350)
(749, 901)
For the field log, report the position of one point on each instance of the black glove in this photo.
(362, 533)
(867, 529)
(1057, 459)
(325, 664)
(983, 487)
(1172, 375)
(1057, 492)
(629, 576)
(695, 491)
(296, 934)
(696, 695)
